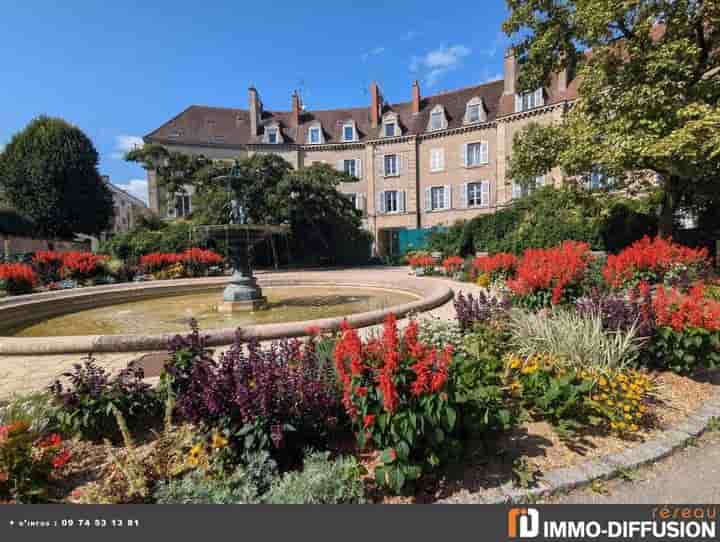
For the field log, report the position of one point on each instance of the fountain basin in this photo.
(18, 311)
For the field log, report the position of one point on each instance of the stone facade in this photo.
(128, 209)
(427, 162)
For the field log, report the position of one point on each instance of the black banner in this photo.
(367, 523)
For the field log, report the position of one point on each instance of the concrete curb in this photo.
(601, 468)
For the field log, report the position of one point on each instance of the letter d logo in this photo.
(523, 523)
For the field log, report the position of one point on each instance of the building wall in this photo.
(415, 175)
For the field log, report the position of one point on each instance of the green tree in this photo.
(48, 173)
(648, 98)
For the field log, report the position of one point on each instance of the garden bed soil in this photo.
(490, 464)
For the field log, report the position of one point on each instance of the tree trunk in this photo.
(671, 196)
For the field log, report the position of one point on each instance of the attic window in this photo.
(272, 135)
(175, 133)
(390, 125)
(529, 100)
(438, 121)
(475, 111)
(349, 131)
(315, 135)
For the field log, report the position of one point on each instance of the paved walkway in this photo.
(22, 374)
(688, 476)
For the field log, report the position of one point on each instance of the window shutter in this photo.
(539, 98)
(518, 103)
(464, 151)
(361, 202)
(516, 191)
(358, 168)
(380, 204)
(428, 202)
(381, 166)
(400, 165)
(340, 165)
(402, 204)
(484, 152)
(485, 194)
(448, 197)
(464, 197)
(441, 158)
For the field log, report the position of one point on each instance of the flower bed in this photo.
(52, 270)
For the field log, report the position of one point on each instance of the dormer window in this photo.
(475, 111)
(349, 131)
(315, 135)
(437, 119)
(390, 125)
(273, 135)
(529, 100)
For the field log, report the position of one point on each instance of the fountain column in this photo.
(243, 292)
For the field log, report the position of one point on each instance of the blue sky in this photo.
(120, 69)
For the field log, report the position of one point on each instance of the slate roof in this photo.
(202, 125)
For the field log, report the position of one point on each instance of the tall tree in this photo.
(48, 172)
(648, 98)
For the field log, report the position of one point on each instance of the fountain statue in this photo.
(243, 293)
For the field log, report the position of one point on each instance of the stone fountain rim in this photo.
(12, 310)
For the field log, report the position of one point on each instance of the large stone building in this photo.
(128, 209)
(426, 162)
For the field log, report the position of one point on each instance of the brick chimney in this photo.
(296, 108)
(375, 105)
(510, 70)
(255, 107)
(416, 97)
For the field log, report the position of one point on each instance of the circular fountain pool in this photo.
(174, 313)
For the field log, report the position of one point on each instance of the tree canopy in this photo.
(324, 223)
(648, 96)
(48, 173)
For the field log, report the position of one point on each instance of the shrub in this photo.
(19, 278)
(688, 334)
(576, 341)
(395, 392)
(618, 312)
(655, 261)
(158, 261)
(321, 481)
(470, 310)
(477, 386)
(48, 264)
(576, 398)
(27, 462)
(245, 485)
(548, 276)
(86, 403)
(499, 266)
(452, 265)
(38, 410)
(276, 398)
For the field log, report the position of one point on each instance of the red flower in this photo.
(313, 331)
(551, 269)
(452, 264)
(422, 261)
(651, 257)
(681, 311)
(51, 441)
(500, 263)
(368, 421)
(61, 459)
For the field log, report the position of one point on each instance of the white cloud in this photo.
(373, 52)
(125, 143)
(136, 187)
(438, 62)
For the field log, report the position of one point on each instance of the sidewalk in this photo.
(688, 476)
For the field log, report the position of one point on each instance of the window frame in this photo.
(351, 126)
(442, 204)
(353, 161)
(396, 162)
(315, 130)
(272, 132)
(389, 124)
(437, 151)
(474, 189)
(470, 108)
(395, 200)
(482, 145)
(182, 210)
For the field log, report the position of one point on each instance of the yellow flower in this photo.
(626, 408)
(195, 455)
(610, 402)
(633, 427)
(621, 425)
(628, 417)
(218, 441)
(603, 382)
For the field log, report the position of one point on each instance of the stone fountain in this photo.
(243, 293)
